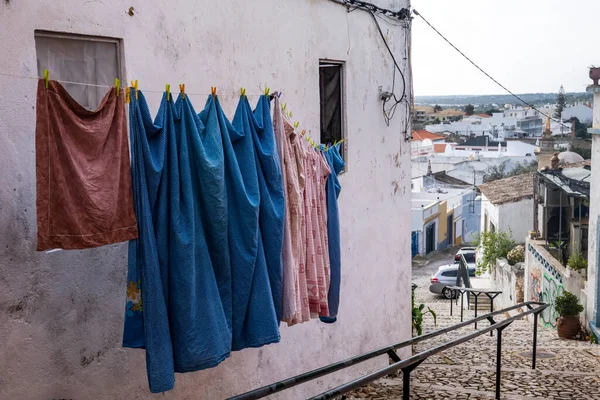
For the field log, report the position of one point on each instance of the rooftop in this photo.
(509, 190)
(420, 135)
(573, 179)
(482, 141)
(483, 115)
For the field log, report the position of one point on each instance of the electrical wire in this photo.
(109, 87)
(488, 75)
(389, 113)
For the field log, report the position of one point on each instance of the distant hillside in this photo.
(500, 99)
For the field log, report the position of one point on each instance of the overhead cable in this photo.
(488, 75)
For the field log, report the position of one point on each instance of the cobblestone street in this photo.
(565, 369)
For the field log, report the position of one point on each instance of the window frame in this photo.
(90, 38)
(325, 62)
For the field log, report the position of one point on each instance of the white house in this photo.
(62, 320)
(582, 112)
(507, 204)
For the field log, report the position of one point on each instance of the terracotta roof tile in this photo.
(422, 134)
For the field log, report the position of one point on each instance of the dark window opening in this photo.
(330, 91)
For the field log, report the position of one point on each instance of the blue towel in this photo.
(254, 320)
(181, 260)
(272, 197)
(336, 164)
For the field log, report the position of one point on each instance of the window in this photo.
(450, 274)
(81, 59)
(331, 95)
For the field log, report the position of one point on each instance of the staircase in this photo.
(565, 369)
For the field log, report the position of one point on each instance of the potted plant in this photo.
(516, 255)
(595, 74)
(568, 307)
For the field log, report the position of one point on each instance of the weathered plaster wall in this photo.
(61, 314)
(516, 217)
(510, 280)
(593, 252)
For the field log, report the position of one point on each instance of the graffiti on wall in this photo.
(550, 291)
(545, 285)
(535, 288)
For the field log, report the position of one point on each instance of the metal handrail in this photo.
(390, 351)
(408, 365)
(491, 294)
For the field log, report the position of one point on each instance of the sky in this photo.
(529, 46)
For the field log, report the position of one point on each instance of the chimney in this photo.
(573, 126)
(554, 161)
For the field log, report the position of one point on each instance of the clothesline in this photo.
(235, 94)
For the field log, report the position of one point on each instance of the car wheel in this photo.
(447, 293)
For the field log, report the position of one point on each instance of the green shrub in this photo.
(567, 304)
(495, 245)
(417, 315)
(577, 261)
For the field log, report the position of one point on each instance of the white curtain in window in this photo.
(79, 60)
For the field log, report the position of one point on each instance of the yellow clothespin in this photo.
(118, 86)
(290, 114)
(134, 84)
(267, 90)
(46, 77)
(182, 90)
(296, 124)
(213, 90)
(127, 95)
(243, 92)
(168, 90)
(285, 107)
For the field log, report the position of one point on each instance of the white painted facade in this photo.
(62, 313)
(516, 217)
(593, 282)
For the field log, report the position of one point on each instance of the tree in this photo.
(436, 121)
(583, 152)
(561, 103)
(495, 245)
(495, 172)
(469, 109)
(437, 108)
(581, 130)
(525, 168)
(491, 111)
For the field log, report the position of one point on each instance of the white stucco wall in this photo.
(489, 209)
(593, 284)
(518, 217)
(61, 314)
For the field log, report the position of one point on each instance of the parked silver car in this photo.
(446, 276)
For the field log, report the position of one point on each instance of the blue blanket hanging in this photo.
(272, 196)
(181, 260)
(336, 164)
(254, 320)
